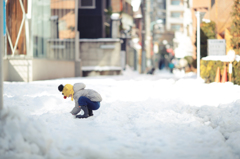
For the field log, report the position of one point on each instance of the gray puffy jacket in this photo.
(80, 91)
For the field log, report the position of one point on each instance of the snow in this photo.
(141, 116)
(100, 68)
(223, 58)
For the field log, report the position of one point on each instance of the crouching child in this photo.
(86, 100)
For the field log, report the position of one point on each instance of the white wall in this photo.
(43, 69)
(26, 70)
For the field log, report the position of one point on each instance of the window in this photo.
(175, 2)
(175, 27)
(87, 4)
(175, 14)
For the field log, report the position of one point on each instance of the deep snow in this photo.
(141, 116)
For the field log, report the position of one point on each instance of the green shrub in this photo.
(208, 70)
(235, 26)
(236, 73)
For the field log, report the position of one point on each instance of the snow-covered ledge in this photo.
(100, 68)
(223, 58)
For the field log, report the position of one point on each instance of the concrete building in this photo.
(174, 13)
(179, 20)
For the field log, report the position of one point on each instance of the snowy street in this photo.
(140, 117)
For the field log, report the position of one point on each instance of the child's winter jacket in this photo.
(80, 91)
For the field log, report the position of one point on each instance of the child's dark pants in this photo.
(84, 101)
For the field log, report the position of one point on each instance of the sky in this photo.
(141, 117)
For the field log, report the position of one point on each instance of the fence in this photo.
(39, 27)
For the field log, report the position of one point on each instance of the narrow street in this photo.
(141, 116)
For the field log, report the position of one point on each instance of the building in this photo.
(94, 18)
(30, 49)
(220, 13)
(174, 13)
(99, 48)
(158, 10)
(43, 40)
(183, 31)
(158, 28)
(217, 11)
(123, 9)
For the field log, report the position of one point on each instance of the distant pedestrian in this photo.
(171, 66)
(85, 99)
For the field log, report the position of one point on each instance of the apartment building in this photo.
(179, 20)
(174, 15)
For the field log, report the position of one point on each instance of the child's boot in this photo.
(90, 112)
(86, 113)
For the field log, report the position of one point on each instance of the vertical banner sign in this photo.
(4, 17)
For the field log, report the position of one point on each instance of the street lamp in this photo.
(199, 16)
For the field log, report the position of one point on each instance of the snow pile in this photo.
(17, 139)
(141, 116)
(24, 137)
(224, 118)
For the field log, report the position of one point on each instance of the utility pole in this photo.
(1, 54)
(143, 63)
(78, 69)
(198, 44)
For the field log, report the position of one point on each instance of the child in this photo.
(85, 99)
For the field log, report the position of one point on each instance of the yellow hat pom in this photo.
(68, 90)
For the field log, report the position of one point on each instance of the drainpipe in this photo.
(78, 70)
(143, 61)
(1, 54)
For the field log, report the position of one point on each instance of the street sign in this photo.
(216, 47)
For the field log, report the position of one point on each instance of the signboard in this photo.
(4, 17)
(216, 47)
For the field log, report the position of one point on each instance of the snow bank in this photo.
(22, 137)
(225, 119)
